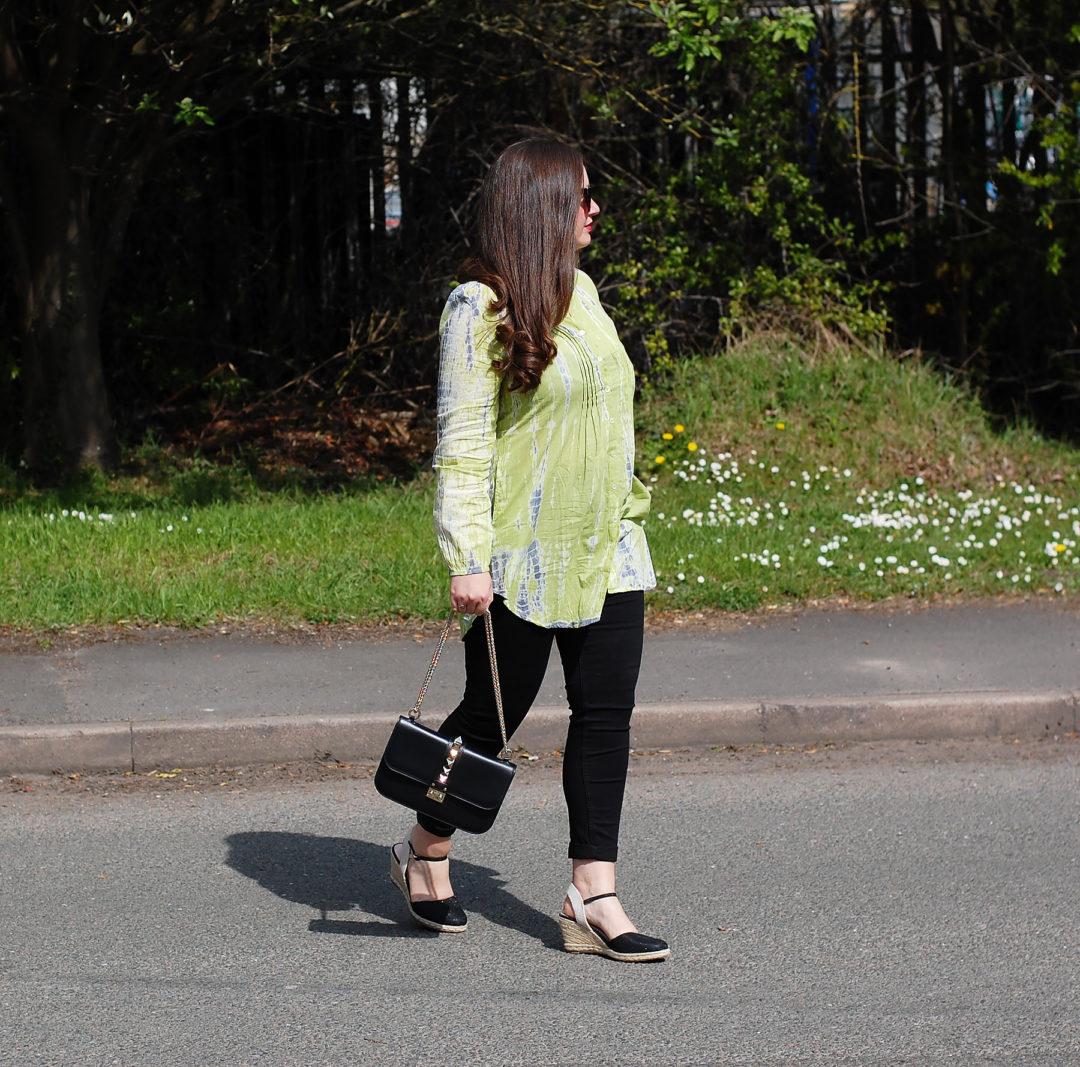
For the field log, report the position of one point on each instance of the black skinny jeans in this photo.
(600, 665)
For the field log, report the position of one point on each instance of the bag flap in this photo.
(416, 752)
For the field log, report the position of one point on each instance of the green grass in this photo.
(785, 477)
(290, 561)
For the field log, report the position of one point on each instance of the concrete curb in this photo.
(146, 746)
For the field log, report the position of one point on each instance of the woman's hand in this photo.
(471, 594)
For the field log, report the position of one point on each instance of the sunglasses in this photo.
(586, 198)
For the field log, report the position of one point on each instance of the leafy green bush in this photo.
(733, 236)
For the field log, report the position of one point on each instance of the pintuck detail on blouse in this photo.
(539, 487)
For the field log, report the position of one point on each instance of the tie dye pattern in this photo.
(539, 487)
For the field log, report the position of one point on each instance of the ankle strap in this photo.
(428, 859)
(599, 896)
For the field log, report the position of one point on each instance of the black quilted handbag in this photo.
(441, 776)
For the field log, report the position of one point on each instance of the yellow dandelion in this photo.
(779, 425)
(692, 446)
(668, 436)
(679, 428)
(661, 459)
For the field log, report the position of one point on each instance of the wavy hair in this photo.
(527, 251)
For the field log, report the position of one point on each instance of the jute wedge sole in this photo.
(575, 939)
(579, 935)
(446, 916)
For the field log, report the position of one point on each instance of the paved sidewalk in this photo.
(183, 701)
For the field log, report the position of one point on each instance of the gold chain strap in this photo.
(506, 752)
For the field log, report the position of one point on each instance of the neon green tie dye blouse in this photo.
(539, 487)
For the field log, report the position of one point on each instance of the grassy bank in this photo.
(778, 476)
(785, 476)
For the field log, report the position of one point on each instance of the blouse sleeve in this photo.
(468, 401)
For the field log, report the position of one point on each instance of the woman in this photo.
(538, 515)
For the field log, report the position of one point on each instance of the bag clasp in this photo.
(437, 789)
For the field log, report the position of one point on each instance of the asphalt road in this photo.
(866, 904)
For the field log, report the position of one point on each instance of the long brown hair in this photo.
(527, 251)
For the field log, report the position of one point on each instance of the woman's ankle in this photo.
(428, 880)
(593, 877)
(596, 878)
(428, 844)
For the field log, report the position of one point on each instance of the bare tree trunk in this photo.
(404, 149)
(888, 205)
(377, 106)
(954, 142)
(975, 115)
(923, 49)
(355, 204)
(60, 288)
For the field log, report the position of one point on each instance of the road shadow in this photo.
(341, 874)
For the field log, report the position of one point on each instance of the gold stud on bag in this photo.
(434, 791)
(440, 776)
